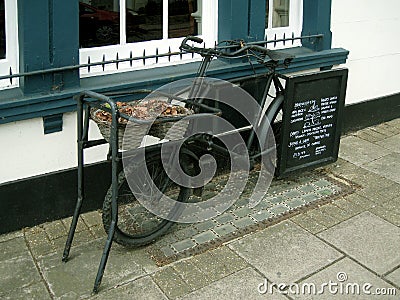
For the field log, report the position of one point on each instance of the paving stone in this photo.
(307, 188)
(326, 192)
(167, 251)
(385, 129)
(225, 218)
(308, 223)
(394, 123)
(322, 183)
(383, 240)
(234, 287)
(347, 205)
(366, 200)
(171, 283)
(186, 232)
(12, 235)
(277, 200)
(218, 263)
(309, 197)
(92, 218)
(39, 243)
(193, 276)
(167, 239)
(366, 151)
(291, 194)
(387, 166)
(12, 248)
(98, 231)
(295, 203)
(370, 135)
(224, 229)
(80, 226)
(243, 222)
(36, 290)
(262, 215)
(183, 245)
(339, 167)
(142, 257)
(203, 226)
(81, 268)
(386, 214)
(55, 230)
(241, 212)
(277, 249)
(205, 237)
(391, 143)
(322, 218)
(395, 277)
(142, 288)
(278, 209)
(366, 178)
(335, 212)
(263, 204)
(356, 275)
(17, 272)
(389, 192)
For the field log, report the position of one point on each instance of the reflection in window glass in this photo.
(267, 14)
(98, 23)
(144, 20)
(280, 17)
(180, 20)
(2, 31)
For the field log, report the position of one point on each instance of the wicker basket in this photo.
(164, 130)
(137, 131)
(133, 140)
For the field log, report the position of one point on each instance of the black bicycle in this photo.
(138, 226)
(159, 173)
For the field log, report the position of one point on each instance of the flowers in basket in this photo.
(148, 109)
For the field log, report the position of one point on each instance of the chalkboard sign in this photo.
(312, 120)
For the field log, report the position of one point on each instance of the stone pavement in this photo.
(352, 242)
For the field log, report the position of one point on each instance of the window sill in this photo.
(14, 106)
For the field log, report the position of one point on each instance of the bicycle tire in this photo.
(129, 232)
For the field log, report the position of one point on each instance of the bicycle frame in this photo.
(272, 78)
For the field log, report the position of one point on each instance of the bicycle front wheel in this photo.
(136, 226)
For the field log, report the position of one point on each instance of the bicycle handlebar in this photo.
(272, 54)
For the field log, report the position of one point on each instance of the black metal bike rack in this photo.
(85, 101)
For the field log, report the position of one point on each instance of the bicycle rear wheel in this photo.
(136, 226)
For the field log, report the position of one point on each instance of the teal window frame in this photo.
(48, 38)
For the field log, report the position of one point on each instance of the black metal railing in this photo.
(117, 61)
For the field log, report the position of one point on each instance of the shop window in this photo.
(283, 19)
(8, 42)
(144, 27)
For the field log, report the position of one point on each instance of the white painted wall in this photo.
(26, 151)
(369, 29)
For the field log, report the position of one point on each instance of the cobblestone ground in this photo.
(356, 236)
